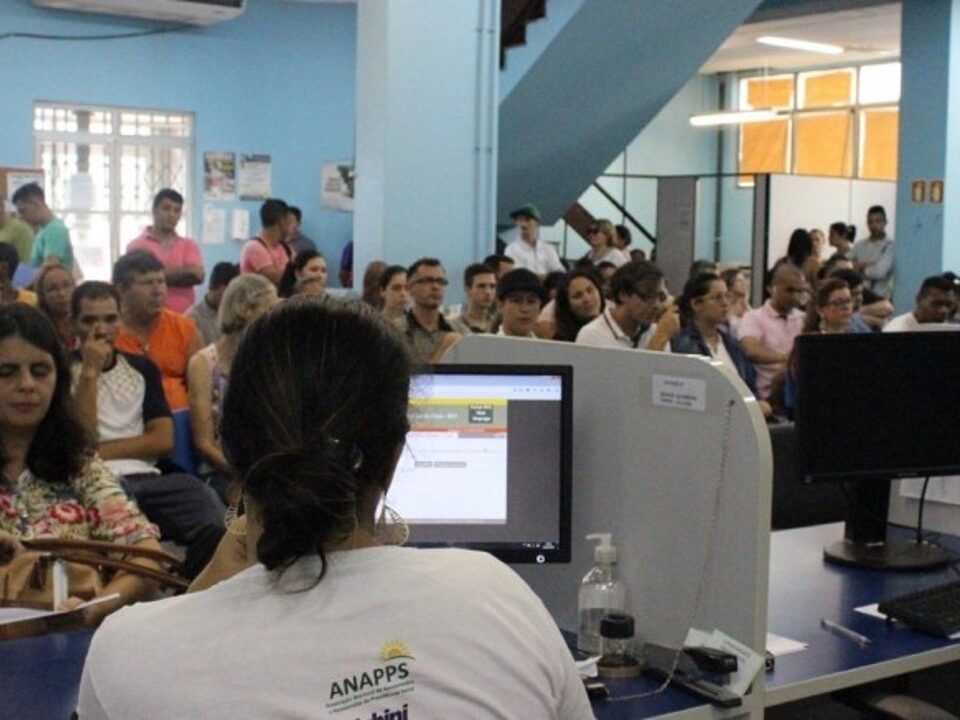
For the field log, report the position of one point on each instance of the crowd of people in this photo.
(144, 346)
(91, 374)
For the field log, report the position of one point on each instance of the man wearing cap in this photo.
(528, 251)
(520, 295)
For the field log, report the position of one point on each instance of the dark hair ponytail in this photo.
(312, 419)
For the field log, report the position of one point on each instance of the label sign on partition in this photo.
(680, 392)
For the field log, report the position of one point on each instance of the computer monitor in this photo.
(487, 462)
(872, 408)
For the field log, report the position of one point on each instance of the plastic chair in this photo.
(183, 453)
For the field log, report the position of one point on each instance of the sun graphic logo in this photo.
(395, 650)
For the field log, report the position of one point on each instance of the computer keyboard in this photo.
(934, 610)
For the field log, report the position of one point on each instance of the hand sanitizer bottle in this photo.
(600, 593)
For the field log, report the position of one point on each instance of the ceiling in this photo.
(869, 34)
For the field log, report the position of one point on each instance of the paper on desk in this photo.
(15, 614)
(779, 646)
(873, 610)
(749, 661)
(588, 666)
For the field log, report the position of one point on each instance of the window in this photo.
(841, 122)
(102, 167)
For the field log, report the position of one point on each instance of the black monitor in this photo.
(487, 462)
(871, 408)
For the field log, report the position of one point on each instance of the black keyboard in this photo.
(935, 610)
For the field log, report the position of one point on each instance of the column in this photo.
(928, 234)
(427, 74)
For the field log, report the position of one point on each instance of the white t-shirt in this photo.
(426, 633)
(603, 331)
(541, 259)
(902, 323)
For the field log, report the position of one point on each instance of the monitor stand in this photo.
(865, 543)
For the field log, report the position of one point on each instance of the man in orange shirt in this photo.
(148, 328)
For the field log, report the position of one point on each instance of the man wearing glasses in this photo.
(637, 319)
(428, 335)
(767, 332)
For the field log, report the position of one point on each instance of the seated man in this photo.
(520, 296)
(120, 401)
(636, 317)
(204, 313)
(767, 332)
(480, 282)
(427, 333)
(935, 303)
(148, 328)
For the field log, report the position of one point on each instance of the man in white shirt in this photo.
(637, 319)
(935, 303)
(520, 295)
(528, 251)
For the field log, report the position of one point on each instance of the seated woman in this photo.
(55, 286)
(830, 311)
(602, 237)
(246, 298)
(739, 290)
(704, 307)
(306, 274)
(52, 485)
(394, 295)
(312, 614)
(579, 300)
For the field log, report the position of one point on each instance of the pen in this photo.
(842, 631)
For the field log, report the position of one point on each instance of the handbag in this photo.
(27, 580)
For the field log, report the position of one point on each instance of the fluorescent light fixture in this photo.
(734, 117)
(805, 45)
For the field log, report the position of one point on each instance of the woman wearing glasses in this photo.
(704, 307)
(602, 237)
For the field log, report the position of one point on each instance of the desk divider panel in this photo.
(649, 474)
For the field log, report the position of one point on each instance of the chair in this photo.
(184, 454)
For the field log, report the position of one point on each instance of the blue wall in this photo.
(280, 79)
(669, 145)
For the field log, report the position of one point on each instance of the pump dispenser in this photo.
(600, 593)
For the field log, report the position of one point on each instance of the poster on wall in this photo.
(255, 177)
(219, 175)
(17, 179)
(336, 186)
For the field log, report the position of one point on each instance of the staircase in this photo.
(514, 17)
(606, 68)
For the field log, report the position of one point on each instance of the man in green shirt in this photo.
(16, 232)
(51, 244)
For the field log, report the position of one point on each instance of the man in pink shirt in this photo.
(268, 252)
(767, 332)
(182, 263)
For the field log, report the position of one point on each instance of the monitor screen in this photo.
(878, 404)
(487, 462)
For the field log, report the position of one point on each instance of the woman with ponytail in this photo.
(304, 610)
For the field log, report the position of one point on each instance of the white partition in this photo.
(651, 475)
(803, 201)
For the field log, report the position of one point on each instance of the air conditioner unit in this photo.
(191, 12)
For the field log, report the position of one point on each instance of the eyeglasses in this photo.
(431, 281)
(661, 296)
(717, 297)
(840, 303)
